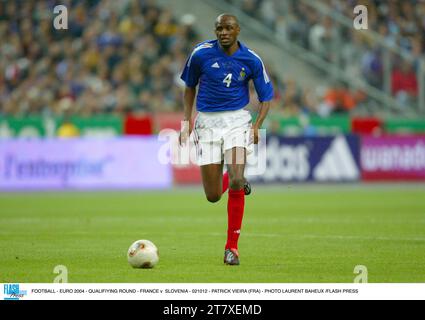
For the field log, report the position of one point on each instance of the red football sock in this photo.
(235, 210)
(225, 182)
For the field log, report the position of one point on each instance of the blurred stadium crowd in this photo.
(400, 23)
(121, 56)
(116, 56)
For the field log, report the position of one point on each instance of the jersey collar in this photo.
(241, 48)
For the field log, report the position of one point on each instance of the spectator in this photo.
(404, 83)
(338, 99)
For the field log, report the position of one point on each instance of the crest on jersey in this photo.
(242, 75)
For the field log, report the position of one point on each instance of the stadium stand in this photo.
(117, 56)
(398, 25)
(121, 57)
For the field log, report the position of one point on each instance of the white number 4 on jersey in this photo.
(228, 80)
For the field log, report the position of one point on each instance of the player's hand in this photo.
(255, 133)
(185, 132)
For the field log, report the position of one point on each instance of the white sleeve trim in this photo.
(265, 75)
(202, 46)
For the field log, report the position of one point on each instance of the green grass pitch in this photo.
(304, 234)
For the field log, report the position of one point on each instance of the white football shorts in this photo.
(216, 132)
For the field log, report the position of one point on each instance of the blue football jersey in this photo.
(223, 80)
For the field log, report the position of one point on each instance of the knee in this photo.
(236, 183)
(213, 197)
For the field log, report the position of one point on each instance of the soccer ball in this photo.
(143, 254)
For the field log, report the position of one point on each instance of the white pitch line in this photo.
(339, 237)
(334, 237)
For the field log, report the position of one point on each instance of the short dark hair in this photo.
(227, 15)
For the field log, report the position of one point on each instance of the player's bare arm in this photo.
(262, 114)
(188, 100)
